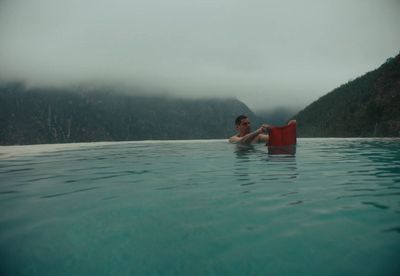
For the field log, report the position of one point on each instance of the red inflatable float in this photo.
(282, 140)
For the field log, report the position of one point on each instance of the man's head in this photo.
(242, 124)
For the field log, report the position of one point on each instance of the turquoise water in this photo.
(201, 208)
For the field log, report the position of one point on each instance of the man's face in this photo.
(244, 126)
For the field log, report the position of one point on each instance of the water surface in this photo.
(201, 207)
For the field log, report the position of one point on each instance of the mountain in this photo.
(36, 116)
(368, 106)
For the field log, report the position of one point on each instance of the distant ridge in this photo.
(41, 116)
(368, 106)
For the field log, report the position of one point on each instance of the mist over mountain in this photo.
(365, 107)
(266, 54)
(368, 106)
(64, 115)
(277, 116)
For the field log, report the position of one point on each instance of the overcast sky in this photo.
(265, 53)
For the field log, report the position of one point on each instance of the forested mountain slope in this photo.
(32, 116)
(368, 106)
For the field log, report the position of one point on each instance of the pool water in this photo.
(201, 208)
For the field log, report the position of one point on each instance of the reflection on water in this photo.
(255, 165)
(291, 150)
(242, 151)
(241, 171)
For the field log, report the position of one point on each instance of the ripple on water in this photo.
(162, 206)
(72, 192)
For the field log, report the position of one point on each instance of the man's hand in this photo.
(263, 128)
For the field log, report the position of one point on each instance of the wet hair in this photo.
(239, 119)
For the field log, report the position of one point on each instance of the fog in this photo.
(266, 53)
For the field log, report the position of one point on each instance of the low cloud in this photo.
(265, 53)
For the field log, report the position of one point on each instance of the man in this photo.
(245, 136)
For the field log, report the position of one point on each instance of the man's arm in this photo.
(263, 138)
(248, 138)
(245, 139)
